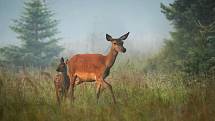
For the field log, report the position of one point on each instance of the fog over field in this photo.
(84, 23)
(166, 74)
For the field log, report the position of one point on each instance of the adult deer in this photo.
(95, 67)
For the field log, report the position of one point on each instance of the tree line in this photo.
(191, 47)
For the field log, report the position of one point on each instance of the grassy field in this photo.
(140, 97)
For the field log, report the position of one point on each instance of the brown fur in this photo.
(58, 80)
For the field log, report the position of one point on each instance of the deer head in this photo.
(117, 44)
(62, 66)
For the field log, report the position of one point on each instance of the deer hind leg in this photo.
(58, 96)
(111, 90)
(57, 90)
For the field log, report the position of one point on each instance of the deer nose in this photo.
(57, 69)
(124, 50)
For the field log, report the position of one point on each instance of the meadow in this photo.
(140, 95)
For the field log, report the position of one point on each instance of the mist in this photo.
(83, 24)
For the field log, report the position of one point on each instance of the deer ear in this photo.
(108, 37)
(62, 60)
(123, 37)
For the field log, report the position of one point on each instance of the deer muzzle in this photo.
(124, 50)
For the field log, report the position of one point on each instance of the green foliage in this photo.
(36, 29)
(191, 46)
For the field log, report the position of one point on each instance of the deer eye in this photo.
(114, 43)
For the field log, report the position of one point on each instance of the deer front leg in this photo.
(111, 90)
(66, 85)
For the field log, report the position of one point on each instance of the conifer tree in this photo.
(37, 30)
(191, 48)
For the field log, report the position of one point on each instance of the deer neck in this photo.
(65, 75)
(111, 57)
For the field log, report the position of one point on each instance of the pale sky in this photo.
(80, 19)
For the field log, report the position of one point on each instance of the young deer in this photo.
(61, 81)
(95, 67)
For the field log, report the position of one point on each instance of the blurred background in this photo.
(83, 24)
(167, 73)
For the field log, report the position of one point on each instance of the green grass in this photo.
(140, 97)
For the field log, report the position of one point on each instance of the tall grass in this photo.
(140, 97)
